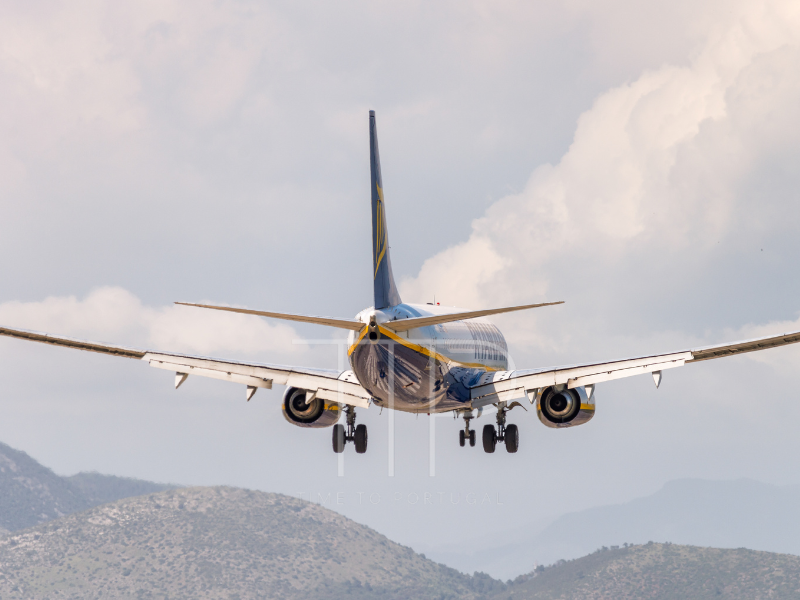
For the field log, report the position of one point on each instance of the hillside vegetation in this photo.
(219, 543)
(665, 572)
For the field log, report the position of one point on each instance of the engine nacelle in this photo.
(316, 414)
(558, 406)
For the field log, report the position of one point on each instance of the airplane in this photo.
(417, 358)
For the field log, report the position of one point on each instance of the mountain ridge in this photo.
(98, 536)
(664, 572)
(33, 494)
(219, 542)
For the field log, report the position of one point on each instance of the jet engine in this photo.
(317, 414)
(559, 406)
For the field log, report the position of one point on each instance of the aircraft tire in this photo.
(338, 439)
(461, 438)
(472, 438)
(489, 438)
(361, 439)
(512, 438)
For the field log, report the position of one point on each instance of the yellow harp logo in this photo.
(380, 232)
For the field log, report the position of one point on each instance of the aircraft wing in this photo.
(336, 386)
(507, 385)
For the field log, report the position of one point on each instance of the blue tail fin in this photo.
(386, 293)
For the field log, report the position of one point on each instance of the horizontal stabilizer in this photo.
(414, 322)
(329, 321)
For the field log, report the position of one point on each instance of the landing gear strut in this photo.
(508, 434)
(352, 433)
(466, 433)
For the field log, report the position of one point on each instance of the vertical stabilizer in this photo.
(385, 289)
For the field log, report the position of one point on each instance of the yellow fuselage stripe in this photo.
(380, 232)
(358, 339)
(417, 348)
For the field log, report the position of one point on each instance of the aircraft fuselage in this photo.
(428, 369)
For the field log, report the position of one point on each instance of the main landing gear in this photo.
(508, 434)
(357, 435)
(466, 433)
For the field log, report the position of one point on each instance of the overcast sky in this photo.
(637, 160)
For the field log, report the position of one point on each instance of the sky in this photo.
(637, 160)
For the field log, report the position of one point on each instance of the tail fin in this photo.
(386, 293)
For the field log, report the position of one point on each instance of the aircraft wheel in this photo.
(489, 438)
(461, 438)
(338, 439)
(361, 439)
(472, 438)
(512, 438)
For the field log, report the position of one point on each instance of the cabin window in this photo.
(488, 342)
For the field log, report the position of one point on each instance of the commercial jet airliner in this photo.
(418, 358)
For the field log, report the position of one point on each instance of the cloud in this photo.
(655, 177)
(114, 315)
(631, 158)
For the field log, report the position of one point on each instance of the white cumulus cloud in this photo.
(651, 183)
(113, 314)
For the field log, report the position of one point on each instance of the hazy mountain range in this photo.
(97, 536)
(204, 543)
(723, 514)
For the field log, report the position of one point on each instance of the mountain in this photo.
(726, 514)
(204, 543)
(220, 543)
(99, 489)
(99, 536)
(31, 493)
(722, 514)
(664, 572)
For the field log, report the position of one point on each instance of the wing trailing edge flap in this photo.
(518, 386)
(334, 387)
(507, 386)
